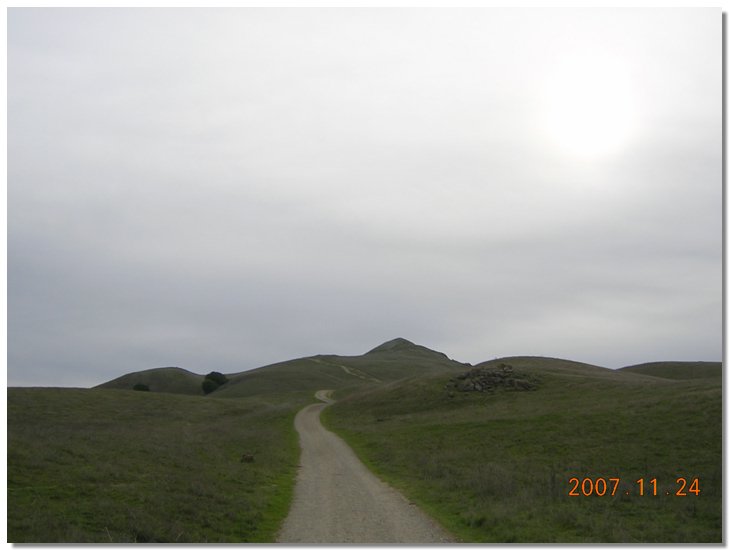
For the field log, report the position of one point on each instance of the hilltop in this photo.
(401, 345)
(163, 380)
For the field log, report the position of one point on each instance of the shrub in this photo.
(141, 387)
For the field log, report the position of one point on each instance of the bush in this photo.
(141, 387)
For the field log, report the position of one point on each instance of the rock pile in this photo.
(488, 379)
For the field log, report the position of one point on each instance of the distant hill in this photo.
(393, 360)
(535, 361)
(165, 380)
(401, 345)
(678, 370)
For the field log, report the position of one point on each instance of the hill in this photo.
(401, 345)
(165, 380)
(678, 370)
(393, 360)
(496, 466)
(550, 364)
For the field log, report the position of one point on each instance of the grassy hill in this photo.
(678, 370)
(495, 467)
(391, 361)
(166, 380)
(123, 466)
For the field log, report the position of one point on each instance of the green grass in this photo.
(496, 468)
(124, 466)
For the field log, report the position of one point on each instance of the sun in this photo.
(588, 107)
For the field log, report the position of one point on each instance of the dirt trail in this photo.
(338, 500)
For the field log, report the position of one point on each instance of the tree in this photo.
(217, 377)
(213, 381)
(141, 387)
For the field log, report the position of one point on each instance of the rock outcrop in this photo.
(489, 379)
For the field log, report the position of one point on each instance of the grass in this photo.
(124, 466)
(496, 467)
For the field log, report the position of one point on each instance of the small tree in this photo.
(141, 387)
(213, 381)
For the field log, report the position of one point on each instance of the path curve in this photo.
(338, 500)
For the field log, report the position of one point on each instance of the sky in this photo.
(222, 189)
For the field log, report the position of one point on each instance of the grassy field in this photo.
(124, 466)
(496, 467)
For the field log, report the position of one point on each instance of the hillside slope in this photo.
(496, 466)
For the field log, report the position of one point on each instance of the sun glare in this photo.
(588, 108)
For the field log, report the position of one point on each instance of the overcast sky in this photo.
(224, 189)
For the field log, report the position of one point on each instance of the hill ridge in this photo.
(390, 361)
(677, 370)
(393, 360)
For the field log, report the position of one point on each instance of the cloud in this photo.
(218, 189)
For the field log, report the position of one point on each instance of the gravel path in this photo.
(338, 500)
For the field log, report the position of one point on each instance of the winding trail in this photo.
(338, 500)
